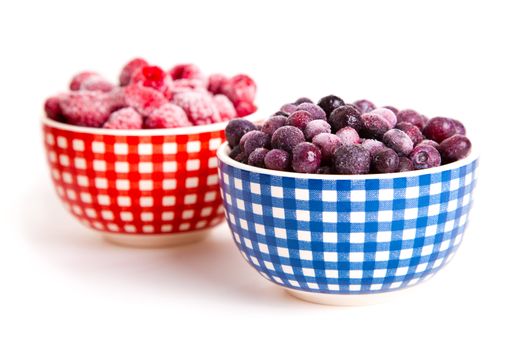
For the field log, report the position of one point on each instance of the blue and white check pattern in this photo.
(347, 236)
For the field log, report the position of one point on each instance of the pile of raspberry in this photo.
(334, 137)
(148, 97)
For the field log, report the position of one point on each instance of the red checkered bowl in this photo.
(139, 187)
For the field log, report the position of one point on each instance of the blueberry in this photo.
(235, 129)
(256, 158)
(254, 139)
(348, 135)
(287, 137)
(347, 115)
(455, 148)
(387, 114)
(280, 113)
(234, 152)
(373, 146)
(460, 128)
(394, 109)
(306, 158)
(411, 116)
(352, 159)
(326, 169)
(273, 123)
(288, 108)
(330, 103)
(328, 143)
(374, 125)
(429, 143)
(412, 131)
(242, 157)
(277, 159)
(299, 119)
(364, 106)
(424, 157)
(405, 165)
(385, 161)
(439, 129)
(302, 100)
(315, 111)
(398, 141)
(315, 127)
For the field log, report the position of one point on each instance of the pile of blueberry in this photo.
(334, 137)
(147, 97)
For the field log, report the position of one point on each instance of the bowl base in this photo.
(345, 299)
(156, 240)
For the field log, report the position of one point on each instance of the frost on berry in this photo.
(144, 99)
(129, 69)
(167, 116)
(224, 107)
(125, 118)
(85, 108)
(199, 107)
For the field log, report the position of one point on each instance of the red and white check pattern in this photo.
(137, 184)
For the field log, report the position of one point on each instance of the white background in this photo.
(62, 287)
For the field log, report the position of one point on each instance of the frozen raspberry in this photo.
(116, 99)
(315, 127)
(328, 144)
(393, 109)
(387, 114)
(85, 108)
(330, 103)
(96, 83)
(287, 137)
(348, 135)
(364, 106)
(277, 159)
(347, 115)
(154, 77)
(302, 100)
(385, 161)
(79, 78)
(429, 143)
(184, 85)
(167, 116)
(374, 125)
(306, 158)
(273, 123)
(198, 107)
(236, 129)
(439, 129)
(412, 131)
(288, 108)
(240, 88)
(411, 116)
(129, 69)
(245, 108)
(460, 128)
(405, 165)
(455, 148)
(216, 83)
(254, 139)
(373, 146)
(299, 119)
(257, 157)
(424, 157)
(145, 100)
(52, 108)
(126, 118)
(315, 111)
(186, 71)
(224, 107)
(352, 159)
(398, 141)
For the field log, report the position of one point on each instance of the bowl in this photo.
(139, 187)
(347, 239)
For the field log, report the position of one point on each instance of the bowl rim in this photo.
(224, 150)
(255, 117)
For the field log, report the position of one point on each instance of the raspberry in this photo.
(198, 106)
(240, 88)
(155, 78)
(52, 108)
(129, 69)
(184, 85)
(216, 83)
(224, 107)
(167, 116)
(116, 99)
(85, 108)
(144, 99)
(244, 108)
(126, 118)
(186, 71)
(96, 83)
(79, 78)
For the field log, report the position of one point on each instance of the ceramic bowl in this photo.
(348, 240)
(139, 187)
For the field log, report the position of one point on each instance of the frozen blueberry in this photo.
(302, 100)
(398, 141)
(429, 143)
(287, 137)
(242, 157)
(352, 159)
(460, 128)
(328, 143)
(234, 152)
(315, 111)
(288, 108)
(254, 139)
(306, 158)
(373, 146)
(299, 119)
(405, 165)
(374, 125)
(394, 109)
(439, 129)
(347, 115)
(277, 159)
(256, 158)
(315, 127)
(385, 161)
(455, 148)
(364, 106)
(329, 103)
(348, 135)
(273, 123)
(236, 129)
(412, 131)
(326, 169)
(280, 113)
(387, 114)
(411, 116)
(424, 157)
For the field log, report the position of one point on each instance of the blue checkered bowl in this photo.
(346, 235)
